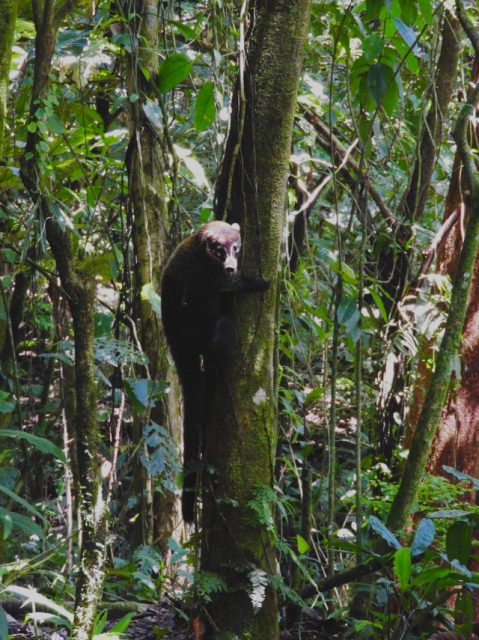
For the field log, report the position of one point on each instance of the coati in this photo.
(197, 281)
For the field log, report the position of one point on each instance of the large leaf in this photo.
(379, 78)
(464, 614)
(461, 476)
(31, 595)
(459, 542)
(174, 70)
(26, 505)
(403, 567)
(20, 522)
(148, 293)
(384, 532)
(424, 537)
(205, 110)
(42, 444)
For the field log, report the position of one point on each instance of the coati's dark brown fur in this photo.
(201, 274)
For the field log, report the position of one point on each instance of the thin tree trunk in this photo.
(8, 16)
(80, 292)
(237, 543)
(151, 235)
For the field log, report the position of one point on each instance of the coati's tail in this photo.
(191, 457)
(192, 384)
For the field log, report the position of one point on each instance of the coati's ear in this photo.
(235, 226)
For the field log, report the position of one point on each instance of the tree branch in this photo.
(468, 27)
(339, 153)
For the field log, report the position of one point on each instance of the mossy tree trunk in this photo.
(79, 289)
(8, 15)
(151, 234)
(238, 545)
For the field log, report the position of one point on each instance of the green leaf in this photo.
(122, 625)
(100, 622)
(377, 526)
(431, 575)
(6, 405)
(448, 513)
(403, 567)
(459, 542)
(42, 444)
(372, 47)
(103, 323)
(464, 614)
(379, 78)
(407, 34)
(142, 393)
(148, 293)
(55, 125)
(174, 70)
(26, 505)
(426, 9)
(205, 109)
(379, 303)
(392, 96)
(373, 7)
(7, 525)
(3, 625)
(31, 595)
(461, 476)
(313, 396)
(424, 537)
(408, 11)
(187, 32)
(22, 523)
(303, 546)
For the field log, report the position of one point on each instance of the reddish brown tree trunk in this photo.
(457, 441)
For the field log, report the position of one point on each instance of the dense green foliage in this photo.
(355, 301)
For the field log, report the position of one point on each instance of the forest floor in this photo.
(159, 621)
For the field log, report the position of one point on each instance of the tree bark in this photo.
(151, 235)
(437, 392)
(238, 544)
(79, 289)
(456, 441)
(8, 16)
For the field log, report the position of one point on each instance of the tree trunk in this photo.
(437, 392)
(80, 292)
(457, 438)
(151, 235)
(8, 16)
(238, 543)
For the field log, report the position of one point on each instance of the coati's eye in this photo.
(217, 250)
(236, 247)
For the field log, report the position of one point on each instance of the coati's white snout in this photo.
(231, 264)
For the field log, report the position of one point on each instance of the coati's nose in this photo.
(231, 264)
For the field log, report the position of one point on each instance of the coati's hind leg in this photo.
(193, 386)
(223, 344)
